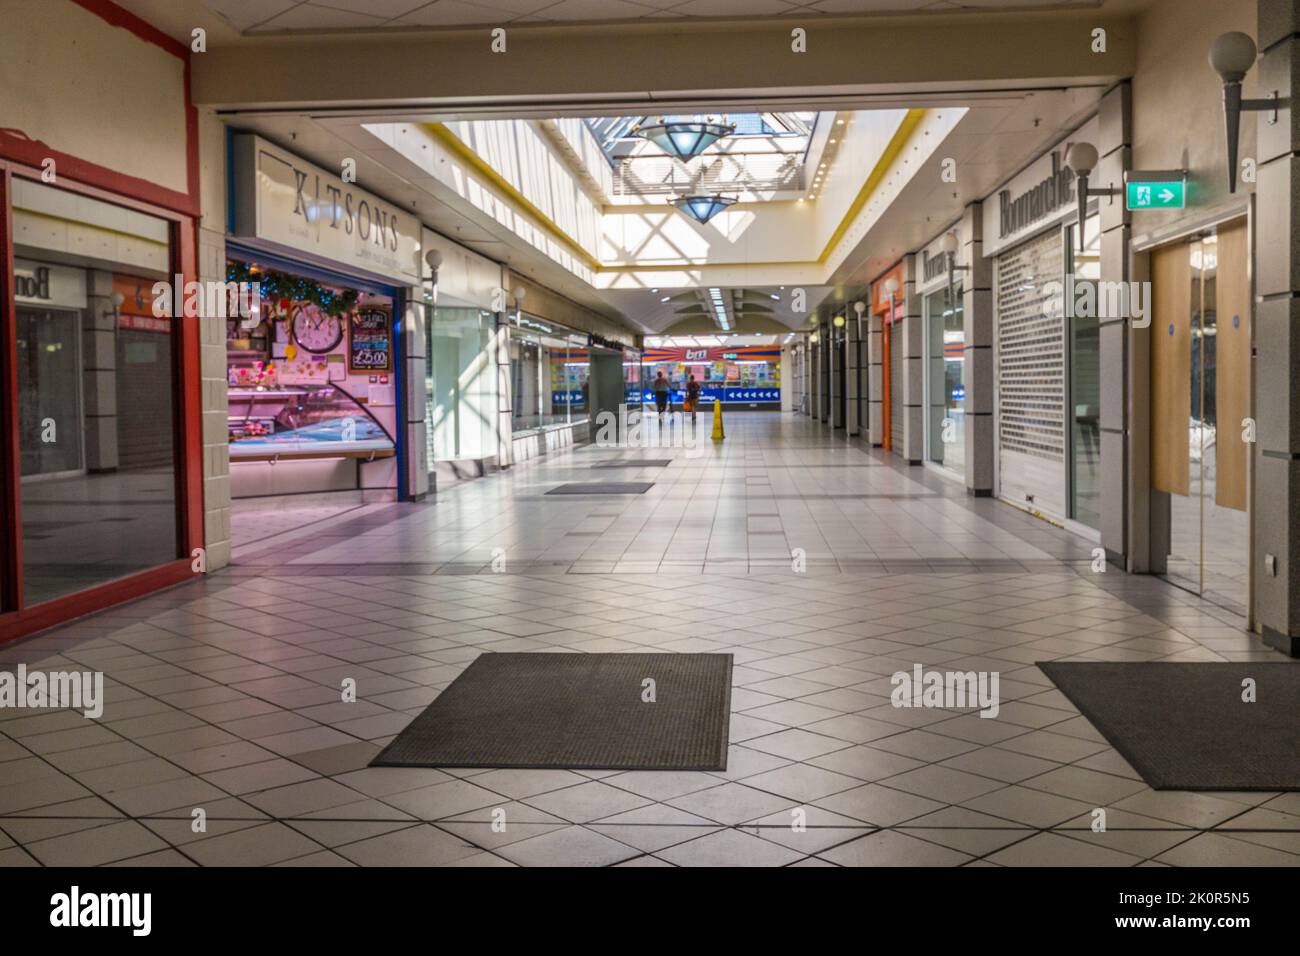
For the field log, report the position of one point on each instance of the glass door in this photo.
(1201, 400)
(1084, 407)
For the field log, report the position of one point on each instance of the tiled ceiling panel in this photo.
(301, 16)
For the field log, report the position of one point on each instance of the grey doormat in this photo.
(575, 712)
(603, 488)
(634, 463)
(1186, 727)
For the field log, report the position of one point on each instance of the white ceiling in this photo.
(645, 310)
(295, 16)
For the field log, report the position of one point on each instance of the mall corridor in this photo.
(821, 565)
(653, 436)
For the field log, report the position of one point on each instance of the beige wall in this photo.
(1177, 102)
(121, 105)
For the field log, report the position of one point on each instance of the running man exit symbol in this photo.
(1148, 191)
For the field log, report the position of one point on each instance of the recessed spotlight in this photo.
(665, 298)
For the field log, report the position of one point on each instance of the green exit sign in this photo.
(1156, 190)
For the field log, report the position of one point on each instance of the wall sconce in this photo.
(519, 304)
(859, 307)
(1082, 158)
(891, 287)
(433, 259)
(949, 246)
(1232, 55)
(838, 321)
(117, 298)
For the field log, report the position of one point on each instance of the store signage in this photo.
(697, 355)
(933, 267)
(1042, 194)
(724, 394)
(285, 200)
(1158, 189)
(1017, 213)
(37, 283)
(370, 341)
(601, 342)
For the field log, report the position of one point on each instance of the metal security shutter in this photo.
(896, 389)
(1031, 376)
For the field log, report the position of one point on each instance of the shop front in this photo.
(888, 309)
(315, 400)
(741, 377)
(101, 469)
(460, 362)
(943, 346)
(1047, 413)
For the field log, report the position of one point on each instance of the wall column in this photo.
(875, 382)
(977, 368)
(1125, 387)
(1277, 335)
(413, 377)
(853, 347)
(912, 392)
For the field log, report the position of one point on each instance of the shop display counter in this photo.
(301, 422)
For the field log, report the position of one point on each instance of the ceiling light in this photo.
(665, 298)
(684, 139)
(702, 208)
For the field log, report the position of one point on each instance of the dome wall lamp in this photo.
(1232, 55)
(949, 246)
(891, 289)
(1082, 158)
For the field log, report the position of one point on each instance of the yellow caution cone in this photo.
(718, 433)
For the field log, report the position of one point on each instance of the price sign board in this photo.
(370, 341)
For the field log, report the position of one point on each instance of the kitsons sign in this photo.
(293, 204)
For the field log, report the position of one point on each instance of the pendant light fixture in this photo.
(684, 139)
(703, 208)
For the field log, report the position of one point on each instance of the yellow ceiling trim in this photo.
(481, 166)
(891, 153)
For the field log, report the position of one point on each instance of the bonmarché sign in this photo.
(1042, 194)
(288, 201)
(1017, 213)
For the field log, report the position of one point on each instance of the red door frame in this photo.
(22, 157)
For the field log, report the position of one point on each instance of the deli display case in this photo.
(287, 422)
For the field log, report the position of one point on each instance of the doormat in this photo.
(575, 712)
(603, 488)
(634, 463)
(1186, 726)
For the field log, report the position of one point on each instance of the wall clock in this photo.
(316, 330)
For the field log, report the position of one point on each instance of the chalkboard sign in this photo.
(370, 344)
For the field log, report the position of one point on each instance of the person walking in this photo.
(692, 397)
(662, 394)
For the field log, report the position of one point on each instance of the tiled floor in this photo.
(225, 694)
